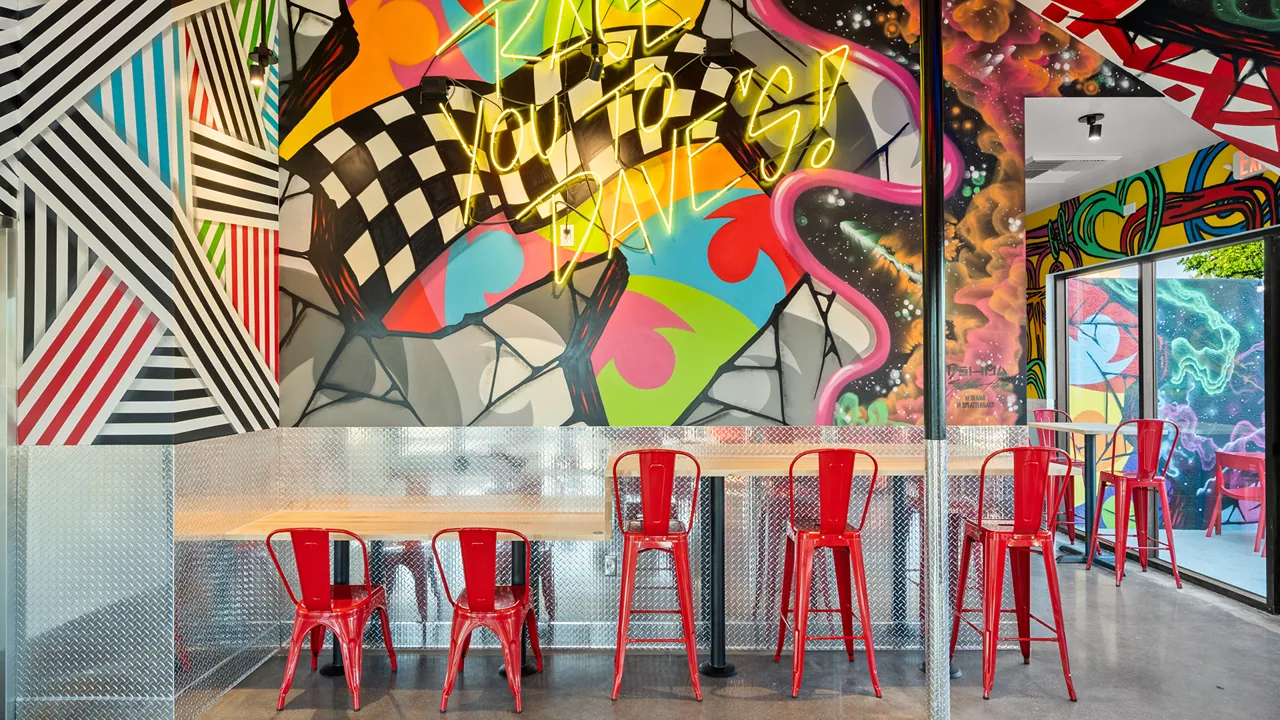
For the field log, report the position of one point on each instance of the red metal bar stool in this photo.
(343, 609)
(1137, 486)
(1030, 530)
(656, 529)
(1248, 462)
(1046, 438)
(504, 609)
(831, 529)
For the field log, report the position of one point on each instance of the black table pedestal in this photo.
(713, 525)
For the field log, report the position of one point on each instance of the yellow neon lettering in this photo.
(472, 151)
(562, 278)
(505, 52)
(663, 78)
(644, 25)
(690, 153)
(792, 115)
(619, 58)
(555, 129)
(493, 140)
(744, 80)
(667, 218)
(822, 152)
(614, 232)
(556, 51)
(618, 90)
(467, 26)
(826, 98)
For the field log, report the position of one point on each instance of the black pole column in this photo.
(1271, 336)
(934, 535)
(718, 666)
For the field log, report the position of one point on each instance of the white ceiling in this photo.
(1143, 132)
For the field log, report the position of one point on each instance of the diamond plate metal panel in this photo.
(204, 612)
(230, 612)
(93, 567)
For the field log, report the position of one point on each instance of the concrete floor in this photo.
(1145, 650)
(1228, 557)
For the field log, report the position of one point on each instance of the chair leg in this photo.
(1262, 528)
(625, 598)
(966, 552)
(1167, 518)
(1215, 515)
(291, 664)
(509, 638)
(351, 640)
(1097, 525)
(1122, 497)
(864, 612)
(1020, 568)
(317, 644)
(1060, 628)
(841, 563)
(788, 572)
(386, 636)
(684, 586)
(804, 581)
(459, 633)
(531, 621)
(1140, 516)
(993, 561)
(466, 648)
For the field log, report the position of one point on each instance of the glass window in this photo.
(1210, 381)
(1102, 352)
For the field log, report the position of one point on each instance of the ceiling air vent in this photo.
(1058, 168)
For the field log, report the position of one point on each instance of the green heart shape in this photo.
(1105, 201)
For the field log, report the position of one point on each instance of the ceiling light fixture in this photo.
(1094, 121)
(261, 57)
(595, 45)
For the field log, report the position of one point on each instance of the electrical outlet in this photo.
(566, 236)
(610, 566)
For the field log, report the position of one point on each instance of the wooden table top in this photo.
(758, 460)
(1085, 428)
(418, 517)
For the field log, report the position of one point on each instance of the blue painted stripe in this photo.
(162, 78)
(117, 104)
(140, 112)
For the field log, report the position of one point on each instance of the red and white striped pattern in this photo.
(199, 103)
(81, 367)
(253, 282)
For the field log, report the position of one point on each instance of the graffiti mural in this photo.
(143, 176)
(708, 233)
(1193, 198)
(1218, 61)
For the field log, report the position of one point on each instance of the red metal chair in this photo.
(656, 529)
(504, 609)
(343, 609)
(1249, 462)
(1137, 485)
(831, 529)
(1029, 529)
(1047, 438)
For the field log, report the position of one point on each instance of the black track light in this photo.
(1094, 121)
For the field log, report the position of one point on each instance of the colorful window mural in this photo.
(1194, 198)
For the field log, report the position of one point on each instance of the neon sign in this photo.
(773, 115)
